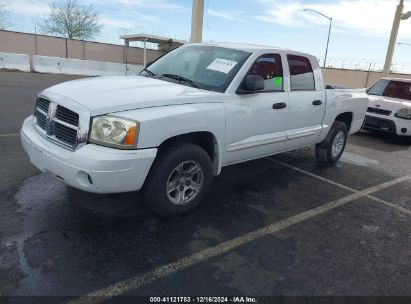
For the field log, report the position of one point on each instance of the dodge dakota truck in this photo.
(196, 109)
(389, 110)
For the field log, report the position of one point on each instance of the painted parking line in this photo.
(9, 135)
(376, 199)
(399, 208)
(312, 175)
(123, 287)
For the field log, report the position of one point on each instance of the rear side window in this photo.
(391, 88)
(301, 73)
(270, 68)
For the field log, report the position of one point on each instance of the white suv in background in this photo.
(389, 108)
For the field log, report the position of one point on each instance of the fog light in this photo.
(404, 130)
(84, 179)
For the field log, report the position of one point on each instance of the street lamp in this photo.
(393, 37)
(329, 30)
(197, 17)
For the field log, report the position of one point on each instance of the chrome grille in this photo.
(40, 112)
(378, 111)
(43, 104)
(65, 134)
(41, 120)
(67, 115)
(57, 122)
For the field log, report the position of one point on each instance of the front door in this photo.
(256, 123)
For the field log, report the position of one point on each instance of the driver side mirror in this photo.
(251, 84)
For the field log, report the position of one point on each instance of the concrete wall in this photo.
(57, 65)
(22, 43)
(355, 79)
(18, 62)
(30, 44)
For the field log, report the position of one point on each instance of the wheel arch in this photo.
(346, 118)
(204, 139)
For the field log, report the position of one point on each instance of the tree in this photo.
(71, 20)
(3, 16)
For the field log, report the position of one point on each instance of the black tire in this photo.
(324, 150)
(166, 163)
(405, 140)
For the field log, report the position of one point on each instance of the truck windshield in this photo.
(391, 88)
(205, 67)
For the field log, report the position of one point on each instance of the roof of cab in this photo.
(397, 79)
(252, 48)
(242, 46)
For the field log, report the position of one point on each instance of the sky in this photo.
(360, 29)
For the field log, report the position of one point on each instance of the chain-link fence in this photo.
(365, 64)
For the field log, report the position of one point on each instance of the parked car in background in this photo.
(389, 109)
(193, 111)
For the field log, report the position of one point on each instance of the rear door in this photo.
(306, 103)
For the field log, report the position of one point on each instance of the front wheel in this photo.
(332, 147)
(179, 179)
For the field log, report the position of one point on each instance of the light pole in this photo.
(393, 37)
(197, 21)
(329, 30)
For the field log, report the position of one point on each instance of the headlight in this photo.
(404, 113)
(114, 132)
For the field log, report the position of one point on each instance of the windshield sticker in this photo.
(222, 65)
(278, 81)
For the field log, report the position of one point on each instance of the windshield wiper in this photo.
(151, 74)
(180, 78)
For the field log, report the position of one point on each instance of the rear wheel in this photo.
(179, 179)
(332, 147)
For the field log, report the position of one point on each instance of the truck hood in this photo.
(388, 103)
(102, 95)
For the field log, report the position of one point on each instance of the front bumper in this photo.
(395, 125)
(91, 168)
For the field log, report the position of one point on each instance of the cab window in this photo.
(269, 67)
(301, 73)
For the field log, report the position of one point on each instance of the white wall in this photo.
(10, 61)
(56, 65)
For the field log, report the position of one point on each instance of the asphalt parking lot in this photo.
(277, 226)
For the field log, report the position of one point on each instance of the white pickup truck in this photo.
(389, 110)
(193, 111)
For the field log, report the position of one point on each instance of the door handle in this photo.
(280, 105)
(317, 103)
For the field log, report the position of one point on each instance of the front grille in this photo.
(43, 104)
(67, 115)
(65, 134)
(58, 123)
(379, 111)
(42, 107)
(41, 120)
(380, 124)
